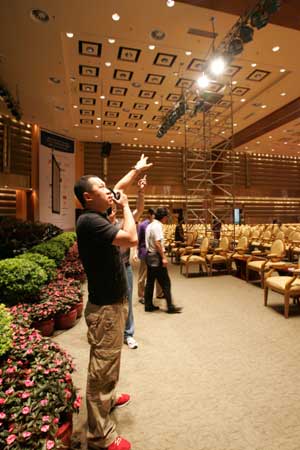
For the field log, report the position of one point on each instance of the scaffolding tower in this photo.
(209, 164)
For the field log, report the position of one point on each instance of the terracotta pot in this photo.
(65, 321)
(46, 327)
(79, 309)
(64, 434)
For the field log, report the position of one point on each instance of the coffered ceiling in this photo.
(106, 84)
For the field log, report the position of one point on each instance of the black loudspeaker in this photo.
(105, 149)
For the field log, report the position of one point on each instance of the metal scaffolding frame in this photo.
(208, 164)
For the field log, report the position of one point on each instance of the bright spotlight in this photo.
(217, 66)
(203, 81)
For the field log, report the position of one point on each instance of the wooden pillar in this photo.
(79, 166)
(21, 204)
(33, 196)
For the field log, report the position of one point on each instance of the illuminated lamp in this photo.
(246, 33)
(235, 47)
(259, 19)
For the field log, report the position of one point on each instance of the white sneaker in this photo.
(131, 342)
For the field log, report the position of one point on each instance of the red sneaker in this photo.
(119, 444)
(122, 400)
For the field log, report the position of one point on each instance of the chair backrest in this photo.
(280, 235)
(277, 247)
(204, 245)
(243, 242)
(189, 238)
(224, 243)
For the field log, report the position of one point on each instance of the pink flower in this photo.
(77, 402)
(44, 402)
(1, 381)
(11, 427)
(9, 391)
(46, 418)
(26, 434)
(45, 428)
(2, 401)
(2, 415)
(55, 420)
(28, 383)
(10, 370)
(25, 394)
(11, 438)
(50, 445)
(26, 410)
(68, 393)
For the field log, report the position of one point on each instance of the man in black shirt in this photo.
(106, 311)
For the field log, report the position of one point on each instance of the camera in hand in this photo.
(116, 195)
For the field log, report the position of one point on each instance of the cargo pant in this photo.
(105, 335)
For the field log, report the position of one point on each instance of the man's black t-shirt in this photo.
(101, 260)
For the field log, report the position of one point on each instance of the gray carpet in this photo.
(223, 375)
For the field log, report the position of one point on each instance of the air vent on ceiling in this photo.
(202, 33)
(249, 115)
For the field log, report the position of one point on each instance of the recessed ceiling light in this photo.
(234, 82)
(151, 47)
(243, 100)
(102, 97)
(223, 132)
(282, 70)
(72, 79)
(97, 126)
(76, 125)
(111, 40)
(283, 94)
(39, 15)
(276, 48)
(156, 102)
(172, 142)
(75, 106)
(135, 138)
(54, 80)
(70, 35)
(96, 136)
(253, 65)
(140, 129)
(108, 64)
(246, 148)
(285, 142)
(216, 120)
(188, 53)
(263, 106)
(235, 124)
(270, 137)
(258, 142)
(115, 17)
(170, 3)
(118, 128)
(272, 149)
(179, 132)
(98, 118)
(298, 144)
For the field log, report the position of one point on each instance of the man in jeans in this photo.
(106, 310)
(157, 263)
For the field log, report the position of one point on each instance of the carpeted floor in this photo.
(223, 375)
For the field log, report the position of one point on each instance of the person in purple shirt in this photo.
(142, 252)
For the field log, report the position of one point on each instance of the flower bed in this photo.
(36, 392)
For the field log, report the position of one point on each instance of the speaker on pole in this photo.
(105, 149)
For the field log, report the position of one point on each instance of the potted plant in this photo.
(37, 395)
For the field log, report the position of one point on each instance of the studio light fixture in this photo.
(246, 33)
(203, 81)
(235, 47)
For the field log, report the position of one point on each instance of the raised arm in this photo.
(141, 166)
(127, 235)
(140, 198)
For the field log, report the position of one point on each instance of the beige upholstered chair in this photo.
(288, 286)
(240, 250)
(260, 264)
(220, 256)
(194, 256)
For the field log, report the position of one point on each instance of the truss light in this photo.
(203, 81)
(271, 6)
(217, 65)
(283, 94)
(235, 47)
(70, 35)
(259, 19)
(246, 33)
